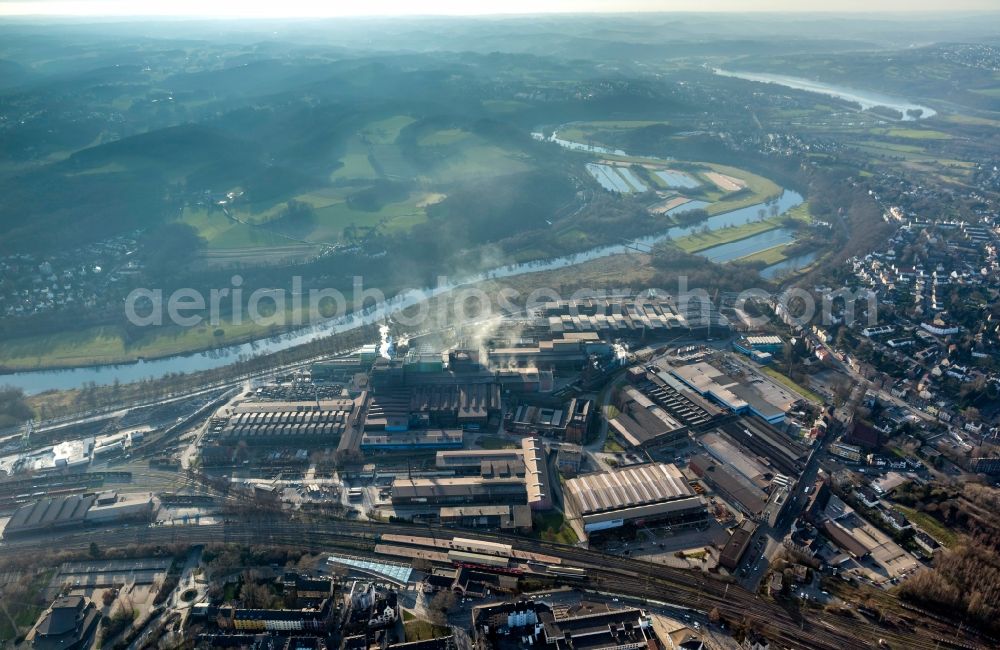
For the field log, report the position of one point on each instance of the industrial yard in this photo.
(581, 431)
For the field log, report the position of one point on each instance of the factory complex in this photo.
(637, 495)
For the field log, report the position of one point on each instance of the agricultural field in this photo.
(801, 212)
(109, 344)
(768, 256)
(470, 158)
(725, 183)
(971, 120)
(891, 148)
(616, 179)
(375, 186)
(668, 204)
(724, 187)
(700, 241)
(220, 258)
(756, 190)
(911, 134)
(356, 163)
(703, 240)
(222, 232)
(443, 137)
(676, 179)
(603, 132)
(503, 106)
(386, 131)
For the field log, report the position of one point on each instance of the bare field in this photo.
(725, 183)
(669, 204)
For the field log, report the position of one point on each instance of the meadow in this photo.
(373, 157)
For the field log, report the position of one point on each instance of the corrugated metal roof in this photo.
(628, 488)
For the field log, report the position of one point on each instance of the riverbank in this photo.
(177, 349)
(866, 99)
(68, 391)
(703, 241)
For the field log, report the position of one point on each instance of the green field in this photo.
(501, 106)
(971, 120)
(443, 137)
(785, 380)
(355, 163)
(17, 616)
(470, 158)
(587, 132)
(331, 216)
(107, 345)
(700, 241)
(424, 631)
(892, 150)
(934, 528)
(911, 134)
(446, 156)
(386, 131)
(769, 256)
(552, 527)
(221, 232)
(758, 188)
(801, 212)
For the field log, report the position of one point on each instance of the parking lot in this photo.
(661, 543)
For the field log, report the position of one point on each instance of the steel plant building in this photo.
(635, 495)
(483, 477)
(285, 423)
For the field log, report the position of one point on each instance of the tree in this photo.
(715, 616)
(95, 550)
(14, 407)
(253, 594)
(215, 592)
(170, 246)
(440, 604)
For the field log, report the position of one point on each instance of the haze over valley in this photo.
(340, 328)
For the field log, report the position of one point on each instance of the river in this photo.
(784, 267)
(36, 381)
(748, 246)
(867, 99)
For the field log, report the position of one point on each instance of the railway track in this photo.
(811, 630)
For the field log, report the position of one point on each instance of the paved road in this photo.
(768, 540)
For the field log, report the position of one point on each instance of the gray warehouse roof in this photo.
(454, 487)
(51, 512)
(635, 486)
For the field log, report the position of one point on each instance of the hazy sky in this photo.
(308, 8)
